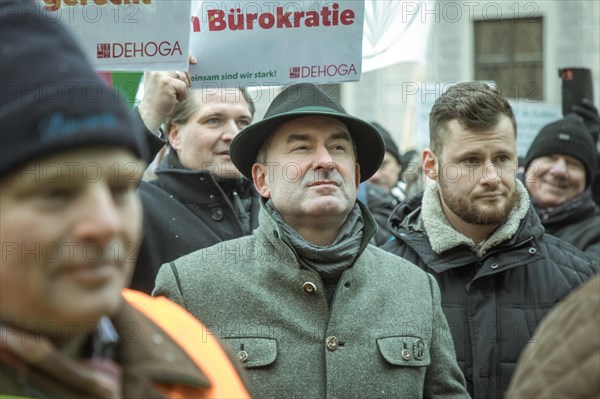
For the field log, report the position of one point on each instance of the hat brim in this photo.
(369, 144)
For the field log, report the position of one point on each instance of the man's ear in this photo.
(357, 175)
(430, 164)
(260, 178)
(174, 138)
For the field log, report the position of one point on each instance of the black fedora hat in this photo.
(296, 101)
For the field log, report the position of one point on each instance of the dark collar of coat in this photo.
(197, 186)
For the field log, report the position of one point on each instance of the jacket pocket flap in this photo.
(404, 351)
(252, 351)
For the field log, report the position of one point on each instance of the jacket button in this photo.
(494, 265)
(309, 287)
(406, 354)
(469, 374)
(332, 343)
(532, 251)
(157, 339)
(216, 214)
(242, 356)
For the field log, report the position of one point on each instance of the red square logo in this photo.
(103, 50)
(294, 72)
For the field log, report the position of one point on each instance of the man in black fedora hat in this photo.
(310, 308)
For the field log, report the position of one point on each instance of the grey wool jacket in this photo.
(385, 335)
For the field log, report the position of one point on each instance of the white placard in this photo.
(127, 35)
(272, 43)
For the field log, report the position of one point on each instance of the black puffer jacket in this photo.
(493, 303)
(581, 228)
(186, 210)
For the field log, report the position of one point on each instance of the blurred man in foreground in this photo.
(71, 224)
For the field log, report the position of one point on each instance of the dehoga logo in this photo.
(137, 49)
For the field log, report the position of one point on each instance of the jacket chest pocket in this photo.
(253, 352)
(407, 351)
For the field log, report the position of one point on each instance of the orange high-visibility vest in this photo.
(192, 337)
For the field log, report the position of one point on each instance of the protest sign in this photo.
(270, 43)
(127, 35)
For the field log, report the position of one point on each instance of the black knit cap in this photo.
(567, 136)
(296, 101)
(51, 99)
(388, 141)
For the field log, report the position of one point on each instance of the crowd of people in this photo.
(287, 257)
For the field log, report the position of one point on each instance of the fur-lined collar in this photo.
(443, 236)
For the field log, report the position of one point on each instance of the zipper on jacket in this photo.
(478, 265)
(238, 202)
(243, 216)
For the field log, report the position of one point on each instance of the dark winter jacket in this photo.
(186, 210)
(581, 228)
(493, 294)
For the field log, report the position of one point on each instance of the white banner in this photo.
(395, 31)
(272, 43)
(128, 35)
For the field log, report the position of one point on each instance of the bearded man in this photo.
(476, 232)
